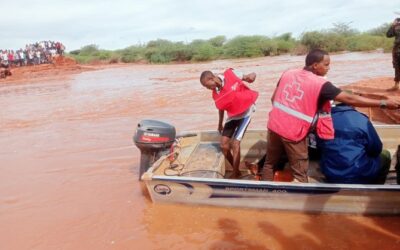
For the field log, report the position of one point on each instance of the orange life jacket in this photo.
(295, 106)
(234, 97)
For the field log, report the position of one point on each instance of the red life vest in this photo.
(295, 106)
(234, 97)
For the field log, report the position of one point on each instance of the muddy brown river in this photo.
(69, 169)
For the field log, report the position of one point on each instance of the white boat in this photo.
(195, 171)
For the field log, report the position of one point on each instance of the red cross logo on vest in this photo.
(293, 91)
(234, 87)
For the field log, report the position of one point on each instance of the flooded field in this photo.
(69, 169)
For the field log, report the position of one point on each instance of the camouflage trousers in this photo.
(396, 62)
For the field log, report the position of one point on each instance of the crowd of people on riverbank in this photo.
(33, 54)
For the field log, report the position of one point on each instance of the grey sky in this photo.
(116, 24)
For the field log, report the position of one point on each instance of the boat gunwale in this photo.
(258, 130)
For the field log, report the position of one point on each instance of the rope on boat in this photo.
(176, 168)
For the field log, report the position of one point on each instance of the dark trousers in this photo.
(396, 62)
(384, 167)
(297, 154)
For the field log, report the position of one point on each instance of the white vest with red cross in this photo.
(234, 97)
(295, 106)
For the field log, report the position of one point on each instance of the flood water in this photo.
(69, 169)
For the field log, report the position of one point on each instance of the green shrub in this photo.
(104, 55)
(245, 46)
(81, 59)
(89, 50)
(299, 50)
(181, 52)
(326, 40)
(343, 30)
(365, 42)
(334, 42)
(339, 38)
(158, 57)
(131, 54)
(113, 60)
(163, 51)
(204, 52)
(286, 37)
(75, 52)
(285, 46)
(380, 30)
(313, 40)
(387, 44)
(217, 41)
(90, 53)
(268, 47)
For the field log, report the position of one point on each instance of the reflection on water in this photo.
(69, 168)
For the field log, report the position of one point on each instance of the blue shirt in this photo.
(353, 155)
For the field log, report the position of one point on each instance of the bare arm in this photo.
(220, 120)
(249, 77)
(359, 101)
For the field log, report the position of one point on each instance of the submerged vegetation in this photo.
(339, 38)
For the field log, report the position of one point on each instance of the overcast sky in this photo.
(116, 24)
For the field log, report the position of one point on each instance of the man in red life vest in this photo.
(230, 94)
(298, 97)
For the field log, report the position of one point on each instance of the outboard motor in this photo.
(153, 138)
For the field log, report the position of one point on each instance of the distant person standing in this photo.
(230, 94)
(394, 31)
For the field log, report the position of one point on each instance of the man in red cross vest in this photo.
(301, 101)
(230, 94)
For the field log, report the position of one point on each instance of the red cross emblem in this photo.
(234, 87)
(293, 91)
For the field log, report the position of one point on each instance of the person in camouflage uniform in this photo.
(394, 31)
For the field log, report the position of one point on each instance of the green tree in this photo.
(344, 29)
(380, 30)
(217, 41)
(245, 46)
(89, 50)
(132, 54)
(313, 40)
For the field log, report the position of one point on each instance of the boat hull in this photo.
(314, 198)
(208, 183)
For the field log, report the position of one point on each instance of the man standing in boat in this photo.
(230, 94)
(301, 103)
(394, 31)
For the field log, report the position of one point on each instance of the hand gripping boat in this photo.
(190, 168)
